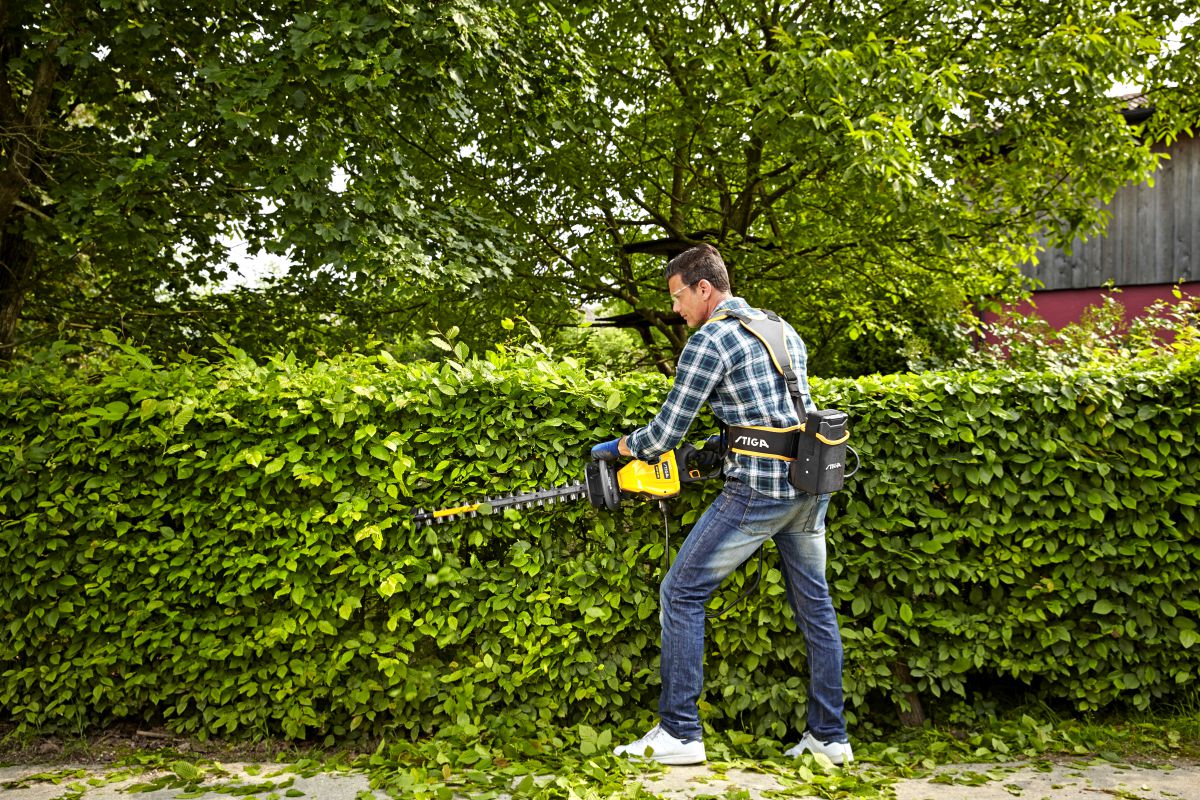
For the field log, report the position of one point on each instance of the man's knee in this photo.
(665, 599)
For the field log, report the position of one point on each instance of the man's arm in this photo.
(701, 367)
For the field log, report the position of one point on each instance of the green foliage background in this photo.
(874, 169)
(227, 548)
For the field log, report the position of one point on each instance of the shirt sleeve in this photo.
(699, 370)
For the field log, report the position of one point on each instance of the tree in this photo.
(136, 137)
(870, 170)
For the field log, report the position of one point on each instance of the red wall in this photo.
(1064, 306)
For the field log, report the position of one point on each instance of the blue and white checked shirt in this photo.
(728, 367)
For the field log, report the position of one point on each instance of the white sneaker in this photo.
(837, 752)
(660, 746)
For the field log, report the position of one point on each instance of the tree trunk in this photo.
(664, 365)
(23, 131)
(16, 265)
(914, 715)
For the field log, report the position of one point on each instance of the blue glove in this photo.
(607, 451)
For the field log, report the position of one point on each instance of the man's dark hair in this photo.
(701, 263)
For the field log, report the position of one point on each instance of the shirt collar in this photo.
(731, 303)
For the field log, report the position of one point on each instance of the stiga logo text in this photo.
(837, 465)
(750, 441)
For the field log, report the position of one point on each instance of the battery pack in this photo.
(820, 465)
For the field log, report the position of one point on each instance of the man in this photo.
(728, 367)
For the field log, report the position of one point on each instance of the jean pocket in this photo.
(731, 506)
(813, 517)
(764, 517)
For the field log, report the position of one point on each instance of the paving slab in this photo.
(1025, 780)
(1054, 782)
(71, 782)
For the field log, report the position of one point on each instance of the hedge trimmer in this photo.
(604, 485)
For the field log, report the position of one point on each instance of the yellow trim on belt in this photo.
(766, 428)
(757, 454)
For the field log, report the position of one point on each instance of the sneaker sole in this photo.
(838, 762)
(679, 761)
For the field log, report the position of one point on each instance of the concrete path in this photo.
(973, 782)
(92, 783)
(1061, 782)
(958, 782)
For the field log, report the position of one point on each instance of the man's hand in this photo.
(710, 453)
(607, 451)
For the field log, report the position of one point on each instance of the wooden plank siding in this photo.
(1153, 235)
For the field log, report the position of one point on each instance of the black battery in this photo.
(820, 465)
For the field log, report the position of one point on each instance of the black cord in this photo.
(662, 504)
(857, 462)
(737, 601)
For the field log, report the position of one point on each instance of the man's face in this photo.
(690, 302)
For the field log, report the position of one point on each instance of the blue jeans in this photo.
(739, 522)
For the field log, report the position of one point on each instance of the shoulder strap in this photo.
(770, 332)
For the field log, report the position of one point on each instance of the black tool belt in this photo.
(764, 442)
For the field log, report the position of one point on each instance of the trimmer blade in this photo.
(554, 494)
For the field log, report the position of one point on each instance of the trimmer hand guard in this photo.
(602, 488)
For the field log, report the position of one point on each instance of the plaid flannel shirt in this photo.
(726, 366)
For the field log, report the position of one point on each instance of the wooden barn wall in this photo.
(1153, 235)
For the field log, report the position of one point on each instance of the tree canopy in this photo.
(868, 170)
(138, 137)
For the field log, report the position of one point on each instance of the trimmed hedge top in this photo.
(228, 547)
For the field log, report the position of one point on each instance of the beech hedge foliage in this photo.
(227, 548)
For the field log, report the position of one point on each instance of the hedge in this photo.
(228, 548)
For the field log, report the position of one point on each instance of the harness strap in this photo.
(753, 440)
(758, 440)
(770, 332)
